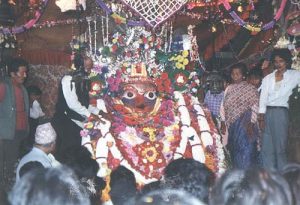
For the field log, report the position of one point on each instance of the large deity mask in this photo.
(138, 94)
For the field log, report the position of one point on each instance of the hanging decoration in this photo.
(155, 12)
(251, 27)
(118, 19)
(27, 25)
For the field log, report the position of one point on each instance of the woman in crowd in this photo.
(240, 107)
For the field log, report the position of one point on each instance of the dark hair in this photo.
(34, 90)
(191, 176)
(30, 166)
(153, 186)
(241, 66)
(55, 186)
(81, 162)
(256, 72)
(283, 53)
(78, 62)
(291, 172)
(167, 197)
(123, 185)
(248, 187)
(79, 159)
(15, 63)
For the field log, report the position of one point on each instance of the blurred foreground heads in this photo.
(55, 186)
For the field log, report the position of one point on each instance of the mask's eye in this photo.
(128, 95)
(151, 95)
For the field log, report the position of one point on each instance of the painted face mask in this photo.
(140, 97)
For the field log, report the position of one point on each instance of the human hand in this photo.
(261, 124)
(250, 127)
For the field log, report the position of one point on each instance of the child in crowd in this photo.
(215, 93)
(255, 77)
(36, 114)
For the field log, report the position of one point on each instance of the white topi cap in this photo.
(45, 134)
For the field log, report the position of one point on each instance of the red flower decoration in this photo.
(163, 83)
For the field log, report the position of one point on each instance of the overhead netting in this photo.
(155, 12)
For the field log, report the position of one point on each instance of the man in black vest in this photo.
(72, 106)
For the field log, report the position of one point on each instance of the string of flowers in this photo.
(27, 25)
(250, 26)
(49, 24)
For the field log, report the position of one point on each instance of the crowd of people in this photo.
(250, 110)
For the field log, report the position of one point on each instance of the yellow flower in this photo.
(151, 133)
(89, 125)
(115, 40)
(170, 138)
(185, 53)
(179, 65)
(185, 61)
(150, 153)
(180, 58)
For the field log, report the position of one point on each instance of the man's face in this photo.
(20, 76)
(88, 65)
(280, 64)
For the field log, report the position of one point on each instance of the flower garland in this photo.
(146, 150)
(28, 25)
(248, 25)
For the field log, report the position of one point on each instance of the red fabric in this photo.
(46, 57)
(21, 120)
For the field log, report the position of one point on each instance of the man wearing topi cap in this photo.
(45, 138)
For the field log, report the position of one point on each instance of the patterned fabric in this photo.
(238, 99)
(241, 145)
(213, 102)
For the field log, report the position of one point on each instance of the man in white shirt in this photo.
(72, 108)
(44, 145)
(276, 89)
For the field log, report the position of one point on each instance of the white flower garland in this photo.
(188, 134)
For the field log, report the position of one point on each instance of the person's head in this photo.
(55, 186)
(30, 166)
(34, 93)
(45, 137)
(191, 176)
(282, 59)
(87, 64)
(248, 187)
(238, 72)
(291, 172)
(153, 186)
(17, 69)
(85, 168)
(122, 184)
(255, 77)
(167, 197)
(215, 82)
